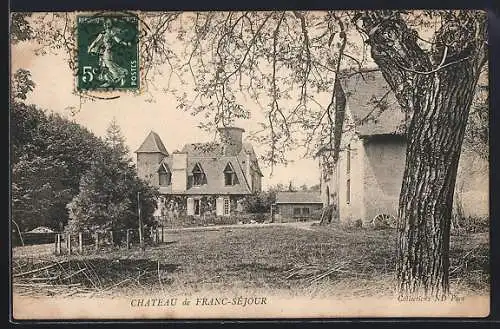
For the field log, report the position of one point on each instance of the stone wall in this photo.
(147, 167)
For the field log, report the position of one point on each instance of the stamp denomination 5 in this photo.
(108, 57)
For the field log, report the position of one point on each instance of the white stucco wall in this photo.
(383, 175)
(353, 208)
(472, 186)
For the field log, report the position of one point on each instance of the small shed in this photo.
(41, 229)
(297, 206)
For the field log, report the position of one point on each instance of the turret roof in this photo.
(152, 144)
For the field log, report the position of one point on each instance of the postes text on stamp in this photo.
(108, 56)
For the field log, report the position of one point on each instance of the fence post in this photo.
(69, 243)
(80, 242)
(55, 243)
(58, 244)
(128, 238)
(141, 238)
(96, 241)
(162, 235)
(111, 237)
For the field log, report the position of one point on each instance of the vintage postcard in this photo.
(249, 164)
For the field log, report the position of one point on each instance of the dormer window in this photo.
(164, 175)
(198, 175)
(230, 177)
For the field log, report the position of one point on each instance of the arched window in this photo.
(230, 177)
(198, 175)
(164, 175)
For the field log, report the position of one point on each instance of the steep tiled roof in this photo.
(152, 144)
(203, 149)
(214, 172)
(298, 197)
(373, 106)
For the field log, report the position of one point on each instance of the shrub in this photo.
(470, 224)
(352, 224)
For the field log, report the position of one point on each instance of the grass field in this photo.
(312, 261)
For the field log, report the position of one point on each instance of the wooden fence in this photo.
(81, 242)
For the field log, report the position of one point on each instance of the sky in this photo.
(137, 117)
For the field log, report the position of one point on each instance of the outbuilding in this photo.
(297, 206)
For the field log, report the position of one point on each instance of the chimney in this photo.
(231, 138)
(179, 171)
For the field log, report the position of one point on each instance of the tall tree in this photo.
(37, 191)
(116, 141)
(107, 199)
(438, 88)
(100, 204)
(48, 154)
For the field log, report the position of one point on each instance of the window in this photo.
(305, 211)
(197, 207)
(227, 206)
(230, 177)
(348, 159)
(348, 191)
(164, 176)
(296, 211)
(198, 175)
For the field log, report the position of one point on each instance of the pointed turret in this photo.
(149, 155)
(152, 144)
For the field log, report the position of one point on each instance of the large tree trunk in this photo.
(434, 142)
(437, 89)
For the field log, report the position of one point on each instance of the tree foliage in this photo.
(21, 85)
(20, 28)
(48, 156)
(107, 198)
(260, 202)
(38, 195)
(283, 62)
(53, 157)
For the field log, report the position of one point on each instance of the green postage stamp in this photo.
(108, 52)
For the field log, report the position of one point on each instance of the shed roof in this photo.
(298, 197)
(41, 229)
